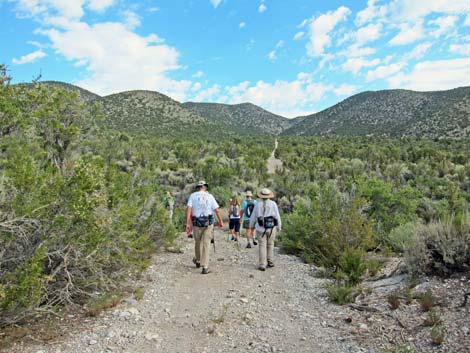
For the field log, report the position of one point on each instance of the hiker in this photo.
(267, 221)
(169, 202)
(200, 221)
(234, 218)
(247, 209)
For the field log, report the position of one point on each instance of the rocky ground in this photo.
(237, 308)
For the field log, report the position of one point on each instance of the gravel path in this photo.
(273, 163)
(235, 308)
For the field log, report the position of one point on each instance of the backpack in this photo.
(235, 211)
(250, 205)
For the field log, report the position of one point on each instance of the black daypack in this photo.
(250, 205)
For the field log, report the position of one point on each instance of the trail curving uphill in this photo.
(274, 164)
(235, 308)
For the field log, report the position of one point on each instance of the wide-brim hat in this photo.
(249, 193)
(265, 194)
(201, 183)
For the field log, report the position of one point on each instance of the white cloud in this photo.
(299, 35)
(99, 5)
(272, 55)
(320, 29)
(131, 19)
(345, 90)
(419, 51)
(210, 94)
(117, 59)
(355, 65)
(153, 9)
(303, 23)
(384, 71)
(463, 49)
(354, 52)
(409, 33)
(196, 87)
(215, 3)
(434, 75)
(70, 9)
(367, 34)
(29, 58)
(445, 24)
(281, 97)
(242, 25)
(370, 13)
(262, 8)
(467, 21)
(198, 74)
(280, 44)
(410, 10)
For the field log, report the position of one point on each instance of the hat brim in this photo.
(264, 196)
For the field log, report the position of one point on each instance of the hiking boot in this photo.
(197, 263)
(205, 271)
(262, 268)
(255, 242)
(233, 238)
(270, 264)
(248, 246)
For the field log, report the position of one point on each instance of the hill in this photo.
(242, 118)
(393, 113)
(84, 94)
(148, 111)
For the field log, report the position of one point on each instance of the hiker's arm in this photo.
(254, 217)
(219, 217)
(189, 221)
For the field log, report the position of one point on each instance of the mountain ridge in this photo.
(394, 113)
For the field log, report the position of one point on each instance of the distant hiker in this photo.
(200, 221)
(234, 218)
(169, 202)
(267, 222)
(247, 210)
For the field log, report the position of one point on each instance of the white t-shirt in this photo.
(265, 208)
(203, 203)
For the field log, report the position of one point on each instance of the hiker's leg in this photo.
(270, 245)
(197, 246)
(206, 245)
(246, 225)
(237, 228)
(262, 249)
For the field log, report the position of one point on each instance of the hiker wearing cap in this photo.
(247, 210)
(169, 202)
(234, 218)
(200, 221)
(267, 222)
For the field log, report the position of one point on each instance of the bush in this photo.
(324, 227)
(440, 247)
(352, 265)
(400, 237)
(342, 294)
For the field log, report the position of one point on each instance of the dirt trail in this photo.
(236, 308)
(273, 163)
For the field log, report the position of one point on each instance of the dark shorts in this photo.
(234, 224)
(246, 225)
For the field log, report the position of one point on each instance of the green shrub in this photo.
(342, 294)
(352, 265)
(400, 237)
(440, 247)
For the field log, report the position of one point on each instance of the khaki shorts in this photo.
(246, 225)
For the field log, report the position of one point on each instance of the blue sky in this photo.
(290, 57)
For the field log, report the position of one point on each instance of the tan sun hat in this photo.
(249, 193)
(202, 183)
(265, 194)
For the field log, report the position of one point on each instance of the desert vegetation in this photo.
(80, 199)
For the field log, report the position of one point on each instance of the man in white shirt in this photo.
(267, 219)
(200, 221)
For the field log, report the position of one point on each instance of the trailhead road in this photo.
(235, 308)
